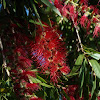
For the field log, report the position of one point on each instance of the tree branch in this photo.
(4, 59)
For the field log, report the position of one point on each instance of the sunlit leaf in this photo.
(96, 67)
(79, 60)
(95, 55)
(35, 80)
(4, 4)
(46, 85)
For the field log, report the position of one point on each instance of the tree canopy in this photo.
(49, 50)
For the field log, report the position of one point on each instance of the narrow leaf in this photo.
(37, 14)
(93, 88)
(81, 75)
(46, 85)
(96, 67)
(95, 55)
(35, 22)
(34, 80)
(51, 6)
(77, 65)
(79, 60)
(66, 96)
(40, 78)
(4, 4)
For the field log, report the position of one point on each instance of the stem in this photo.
(79, 39)
(4, 59)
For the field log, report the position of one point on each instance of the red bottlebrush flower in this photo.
(49, 51)
(71, 91)
(64, 11)
(95, 9)
(58, 4)
(98, 97)
(14, 25)
(24, 75)
(96, 30)
(65, 69)
(35, 98)
(72, 98)
(84, 7)
(73, 14)
(24, 61)
(63, 98)
(84, 1)
(95, 20)
(85, 22)
(31, 73)
(13, 71)
(28, 91)
(32, 86)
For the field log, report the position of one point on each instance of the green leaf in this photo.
(94, 55)
(51, 6)
(4, 4)
(79, 60)
(35, 22)
(35, 80)
(81, 75)
(66, 96)
(36, 12)
(90, 50)
(40, 78)
(5, 97)
(72, 74)
(77, 65)
(46, 85)
(96, 67)
(93, 88)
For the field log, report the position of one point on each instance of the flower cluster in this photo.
(50, 53)
(73, 93)
(22, 71)
(80, 15)
(47, 51)
(18, 53)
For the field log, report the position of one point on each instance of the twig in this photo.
(79, 39)
(4, 59)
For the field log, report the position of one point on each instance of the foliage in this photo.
(49, 50)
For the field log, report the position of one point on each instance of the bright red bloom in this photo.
(32, 86)
(64, 69)
(85, 22)
(58, 4)
(35, 98)
(98, 97)
(84, 2)
(49, 51)
(96, 30)
(95, 20)
(73, 14)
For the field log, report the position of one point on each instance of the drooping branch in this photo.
(4, 59)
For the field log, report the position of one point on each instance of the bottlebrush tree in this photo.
(50, 50)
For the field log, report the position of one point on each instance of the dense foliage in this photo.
(50, 50)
